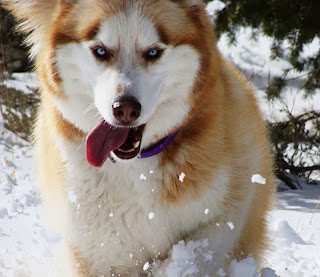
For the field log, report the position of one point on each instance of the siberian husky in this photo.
(145, 136)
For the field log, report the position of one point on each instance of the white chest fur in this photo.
(115, 215)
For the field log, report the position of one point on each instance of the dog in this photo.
(145, 137)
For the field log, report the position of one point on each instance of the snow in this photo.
(245, 267)
(214, 7)
(27, 245)
(296, 228)
(257, 178)
(143, 177)
(183, 258)
(231, 225)
(221, 272)
(72, 197)
(253, 57)
(25, 82)
(181, 177)
(146, 266)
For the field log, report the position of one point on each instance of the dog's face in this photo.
(128, 64)
(128, 61)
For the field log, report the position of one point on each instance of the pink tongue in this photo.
(103, 139)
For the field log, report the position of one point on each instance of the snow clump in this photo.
(184, 258)
(247, 267)
(146, 266)
(256, 178)
(231, 225)
(181, 177)
(72, 196)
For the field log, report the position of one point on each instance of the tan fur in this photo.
(216, 129)
(218, 134)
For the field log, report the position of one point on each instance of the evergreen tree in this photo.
(296, 21)
(296, 141)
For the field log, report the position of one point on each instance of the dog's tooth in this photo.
(136, 144)
(126, 150)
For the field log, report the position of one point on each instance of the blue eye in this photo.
(153, 53)
(100, 51)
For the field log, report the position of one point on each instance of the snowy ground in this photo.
(26, 246)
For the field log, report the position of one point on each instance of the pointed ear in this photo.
(34, 11)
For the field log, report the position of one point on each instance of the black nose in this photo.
(126, 110)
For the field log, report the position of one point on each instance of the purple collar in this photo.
(158, 147)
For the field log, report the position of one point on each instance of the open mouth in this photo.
(131, 147)
(125, 143)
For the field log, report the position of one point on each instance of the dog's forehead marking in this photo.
(128, 29)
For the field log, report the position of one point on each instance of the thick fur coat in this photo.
(159, 56)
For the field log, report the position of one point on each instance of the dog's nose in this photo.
(126, 110)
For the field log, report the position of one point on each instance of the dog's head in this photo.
(130, 68)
